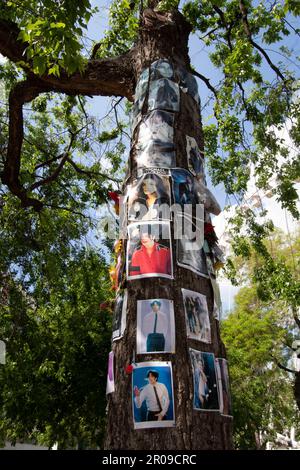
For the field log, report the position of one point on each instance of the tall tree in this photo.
(56, 330)
(256, 335)
(44, 42)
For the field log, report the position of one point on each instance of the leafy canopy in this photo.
(258, 334)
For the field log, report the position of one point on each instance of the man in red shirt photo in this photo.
(150, 258)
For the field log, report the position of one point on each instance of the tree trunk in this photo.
(166, 36)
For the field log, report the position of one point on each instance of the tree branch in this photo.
(292, 27)
(23, 92)
(60, 166)
(91, 173)
(206, 81)
(247, 30)
(47, 162)
(209, 33)
(104, 77)
(283, 367)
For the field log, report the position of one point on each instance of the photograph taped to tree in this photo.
(217, 299)
(156, 154)
(188, 84)
(189, 252)
(135, 118)
(155, 326)
(141, 89)
(149, 250)
(156, 127)
(205, 196)
(163, 94)
(183, 183)
(195, 159)
(161, 68)
(155, 144)
(149, 198)
(110, 384)
(187, 189)
(224, 387)
(206, 395)
(119, 317)
(196, 316)
(152, 395)
(2, 352)
(210, 265)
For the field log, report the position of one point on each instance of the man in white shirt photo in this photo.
(156, 396)
(155, 326)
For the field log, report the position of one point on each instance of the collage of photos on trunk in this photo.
(150, 198)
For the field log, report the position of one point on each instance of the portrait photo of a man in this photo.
(149, 250)
(152, 395)
(155, 326)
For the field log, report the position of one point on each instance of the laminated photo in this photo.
(161, 68)
(2, 352)
(206, 395)
(188, 84)
(218, 254)
(110, 384)
(195, 159)
(163, 94)
(149, 250)
(190, 252)
(210, 266)
(119, 317)
(149, 198)
(224, 387)
(152, 395)
(155, 326)
(217, 299)
(157, 126)
(196, 316)
(141, 89)
(184, 187)
(157, 155)
(204, 195)
(135, 117)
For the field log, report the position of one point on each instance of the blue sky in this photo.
(199, 55)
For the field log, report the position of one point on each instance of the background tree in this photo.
(44, 46)
(258, 335)
(56, 329)
(263, 402)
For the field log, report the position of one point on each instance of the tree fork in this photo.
(165, 35)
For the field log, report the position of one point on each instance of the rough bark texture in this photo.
(166, 36)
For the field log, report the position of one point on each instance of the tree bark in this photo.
(165, 35)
